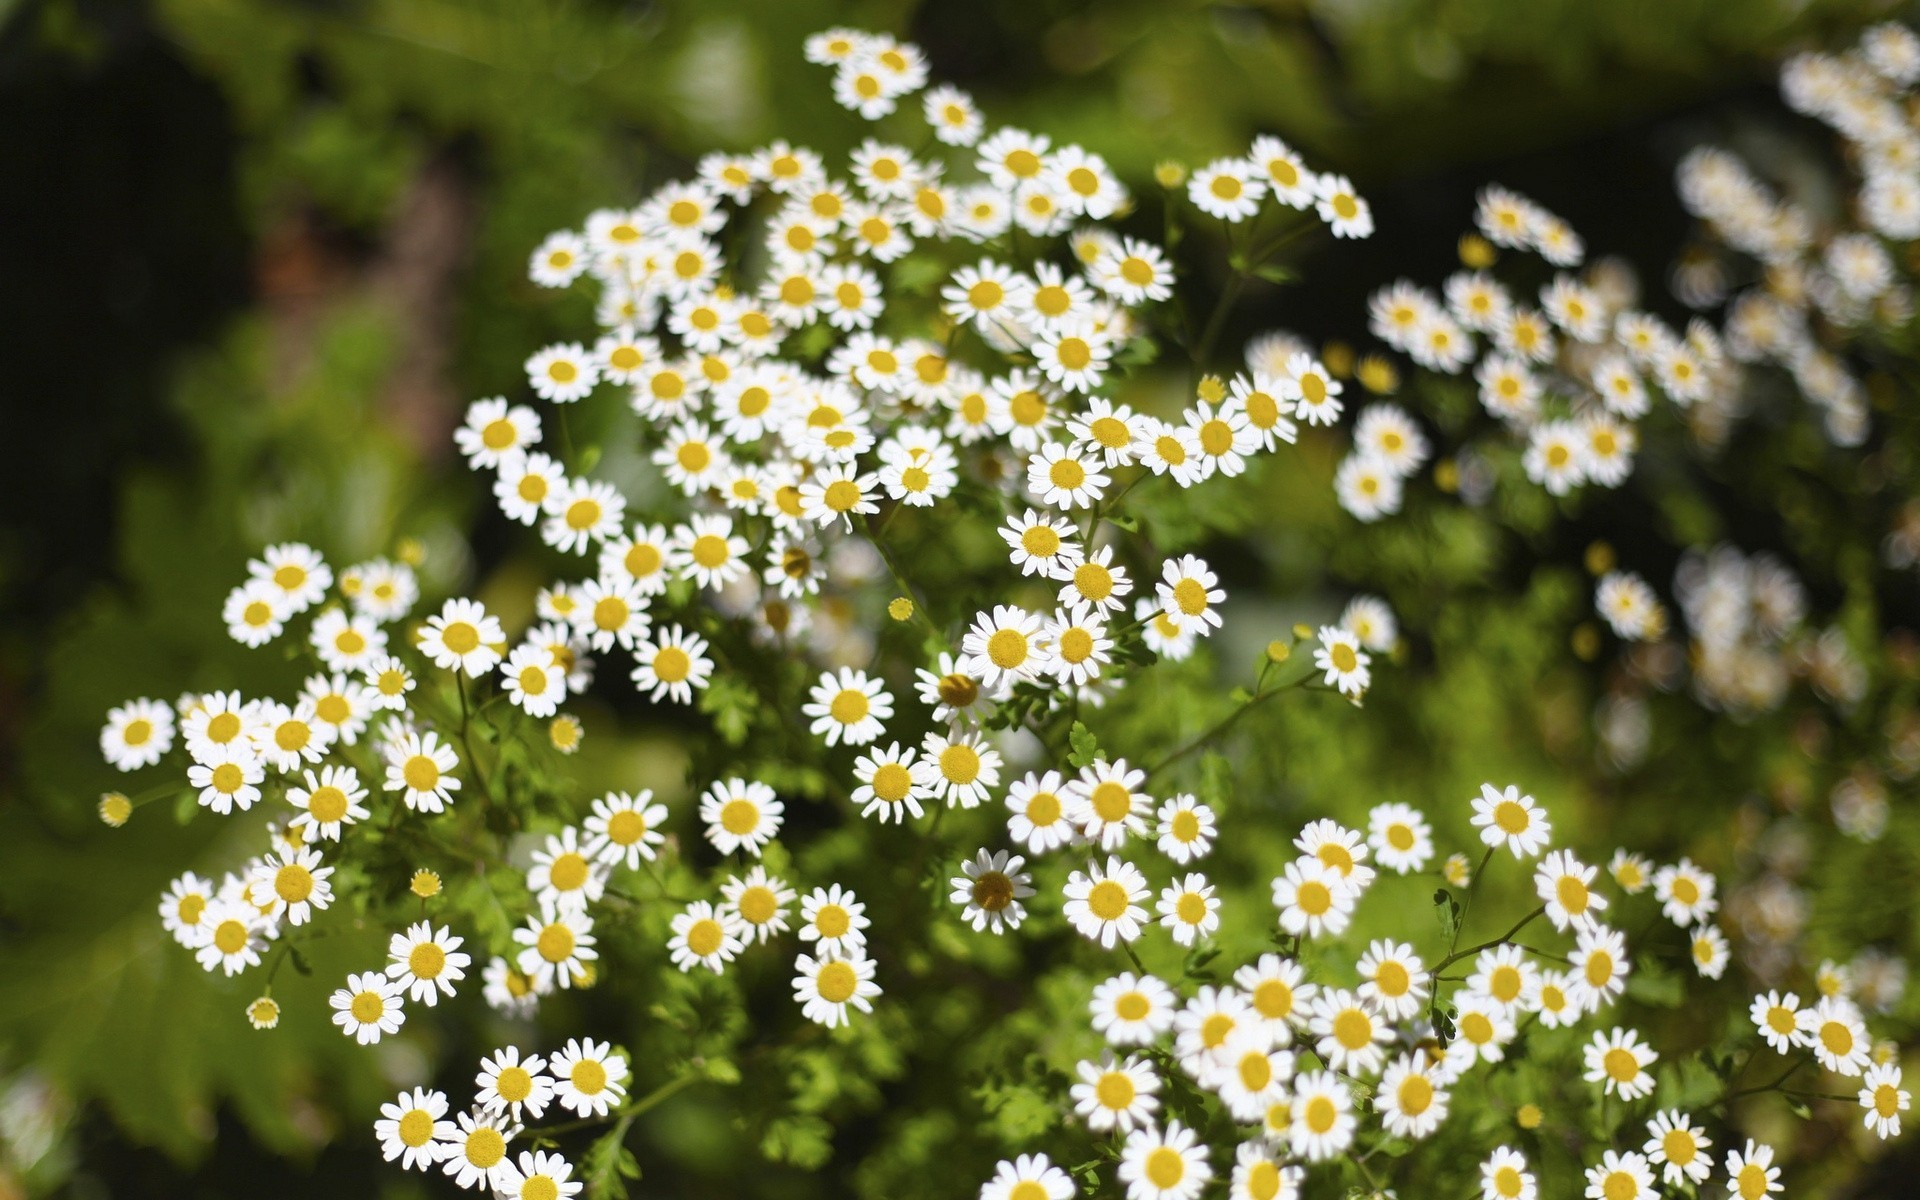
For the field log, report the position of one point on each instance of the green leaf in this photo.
(1447, 907)
(1086, 748)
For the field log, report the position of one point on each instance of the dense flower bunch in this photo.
(1564, 369)
(1819, 280)
(957, 346)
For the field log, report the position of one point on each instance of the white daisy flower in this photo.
(1227, 188)
(991, 887)
(1189, 910)
(1132, 1010)
(827, 987)
(1510, 819)
(369, 1007)
(514, 1086)
(623, 829)
(413, 1127)
(475, 1150)
(1186, 829)
(557, 945)
(1164, 1164)
(1313, 899)
(832, 918)
(1116, 1093)
(1323, 1120)
(1104, 903)
(463, 637)
(848, 708)
(137, 734)
(419, 766)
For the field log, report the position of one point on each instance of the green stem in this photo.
(1502, 940)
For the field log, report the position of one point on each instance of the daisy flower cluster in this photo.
(475, 1148)
(792, 359)
(1328, 1051)
(1563, 365)
(1815, 280)
(1748, 635)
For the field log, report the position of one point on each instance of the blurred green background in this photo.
(256, 256)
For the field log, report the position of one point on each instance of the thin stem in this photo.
(1502, 940)
(1218, 320)
(1219, 728)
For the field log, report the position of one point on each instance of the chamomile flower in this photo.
(1346, 214)
(389, 680)
(1629, 606)
(1709, 951)
(1632, 872)
(1482, 1028)
(1313, 899)
(1189, 590)
(1502, 974)
(514, 1085)
(1105, 903)
(427, 962)
(254, 613)
(1043, 544)
(1350, 1031)
(893, 783)
(1029, 1177)
(1393, 981)
(1883, 1099)
(1367, 487)
(1189, 910)
(588, 1077)
(562, 373)
(623, 829)
(1598, 968)
(1618, 1060)
(227, 778)
(959, 768)
(1837, 1036)
(672, 664)
(538, 1175)
(1060, 476)
(294, 882)
(1411, 1099)
(1565, 885)
(1227, 188)
(833, 919)
(1311, 389)
(558, 260)
(1164, 1164)
(463, 637)
(1115, 1093)
(1507, 818)
(565, 874)
(1278, 994)
(534, 682)
(494, 429)
(1778, 1019)
(1132, 1010)
(1185, 828)
(1005, 647)
(849, 707)
(1169, 450)
(1505, 1176)
(991, 887)
(1620, 1176)
(186, 907)
(413, 1127)
(760, 902)
(229, 935)
(524, 485)
(137, 734)
(474, 1152)
(1679, 1148)
(369, 1007)
(419, 766)
(1323, 1120)
(1685, 892)
(1345, 664)
(1751, 1174)
(1401, 838)
(1133, 272)
(956, 121)
(557, 943)
(827, 987)
(708, 551)
(1038, 805)
(705, 936)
